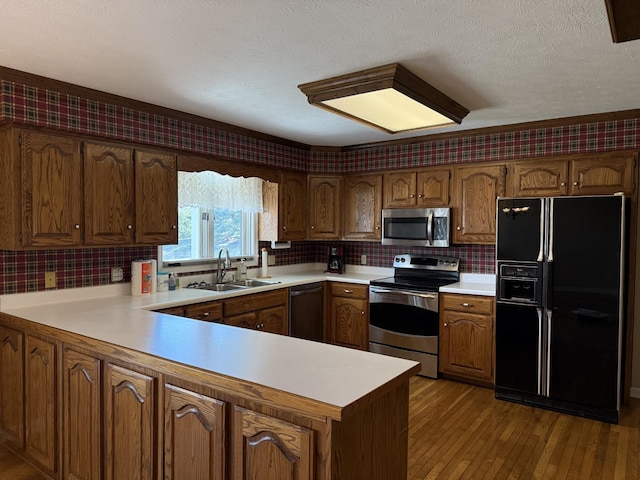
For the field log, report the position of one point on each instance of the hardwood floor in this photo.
(459, 431)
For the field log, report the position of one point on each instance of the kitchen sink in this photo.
(252, 282)
(222, 287)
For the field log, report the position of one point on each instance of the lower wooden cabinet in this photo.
(194, 436)
(467, 337)
(11, 386)
(269, 448)
(349, 315)
(82, 416)
(130, 424)
(41, 403)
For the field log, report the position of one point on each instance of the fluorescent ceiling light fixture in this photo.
(390, 98)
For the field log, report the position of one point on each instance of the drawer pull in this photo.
(206, 314)
(467, 305)
(348, 291)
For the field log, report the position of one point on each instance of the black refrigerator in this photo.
(561, 303)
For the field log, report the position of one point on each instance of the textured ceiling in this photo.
(240, 62)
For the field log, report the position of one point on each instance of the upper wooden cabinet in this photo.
(325, 207)
(156, 181)
(51, 190)
(362, 207)
(595, 174)
(284, 214)
(476, 188)
(57, 191)
(108, 194)
(423, 188)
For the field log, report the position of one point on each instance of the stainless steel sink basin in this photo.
(223, 287)
(252, 282)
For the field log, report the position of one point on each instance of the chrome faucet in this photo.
(222, 268)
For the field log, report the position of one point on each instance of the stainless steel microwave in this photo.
(422, 227)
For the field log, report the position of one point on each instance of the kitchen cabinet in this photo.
(268, 448)
(194, 436)
(207, 311)
(109, 196)
(267, 311)
(467, 337)
(177, 311)
(422, 188)
(82, 416)
(362, 207)
(325, 207)
(11, 386)
(41, 403)
(130, 424)
(284, 215)
(476, 188)
(156, 184)
(51, 190)
(349, 315)
(594, 174)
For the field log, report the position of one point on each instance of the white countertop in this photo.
(325, 373)
(473, 284)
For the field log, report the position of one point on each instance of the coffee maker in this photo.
(335, 261)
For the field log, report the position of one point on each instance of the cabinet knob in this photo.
(378, 227)
(77, 226)
(411, 196)
(129, 226)
(445, 324)
(312, 227)
(206, 314)
(466, 305)
(458, 228)
(562, 184)
(284, 228)
(173, 227)
(362, 313)
(575, 184)
(420, 195)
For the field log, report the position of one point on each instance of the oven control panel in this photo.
(429, 262)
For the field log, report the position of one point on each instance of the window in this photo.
(214, 212)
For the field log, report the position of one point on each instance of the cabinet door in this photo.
(108, 194)
(432, 187)
(466, 341)
(156, 181)
(51, 191)
(11, 387)
(130, 449)
(608, 174)
(40, 406)
(292, 207)
(325, 208)
(265, 448)
(245, 320)
(194, 436)
(399, 189)
(350, 322)
(477, 188)
(82, 417)
(540, 178)
(274, 320)
(363, 207)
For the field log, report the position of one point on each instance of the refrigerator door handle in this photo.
(539, 310)
(550, 255)
(541, 251)
(430, 228)
(548, 385)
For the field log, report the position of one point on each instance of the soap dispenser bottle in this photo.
(242, 269)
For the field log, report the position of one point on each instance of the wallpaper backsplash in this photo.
(30, 105)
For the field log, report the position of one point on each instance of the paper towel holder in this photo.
(279, 245)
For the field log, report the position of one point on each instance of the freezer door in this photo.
(586, 284)
(518, 348)
(520, 229)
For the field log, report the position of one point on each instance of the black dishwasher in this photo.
(306, 311)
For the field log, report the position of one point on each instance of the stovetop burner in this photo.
(421, 273)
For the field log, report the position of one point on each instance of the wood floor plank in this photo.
(463, 432)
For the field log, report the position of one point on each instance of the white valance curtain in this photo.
(212, 190)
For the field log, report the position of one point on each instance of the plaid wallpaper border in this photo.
(30, 105)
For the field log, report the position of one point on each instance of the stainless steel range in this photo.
(404, 309)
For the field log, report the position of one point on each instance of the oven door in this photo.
(404, 322)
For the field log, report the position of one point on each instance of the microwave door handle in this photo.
(430, 228)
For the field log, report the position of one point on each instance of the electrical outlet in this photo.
(363, 259)
(117, 274)
(50, 280)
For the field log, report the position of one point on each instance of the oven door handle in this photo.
(430, 296)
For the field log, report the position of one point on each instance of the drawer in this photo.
(349, 290)
(467, 303)
(207, 311)
(178, 311)
(256, 301)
